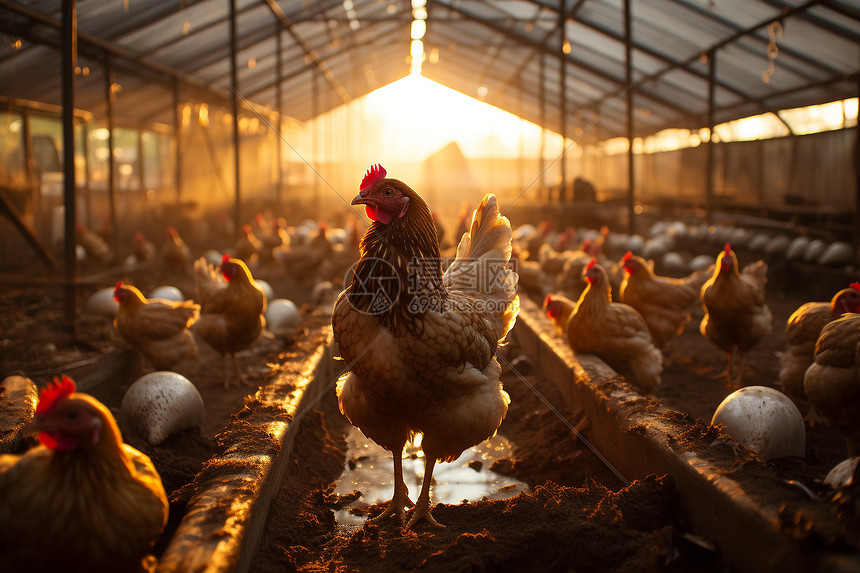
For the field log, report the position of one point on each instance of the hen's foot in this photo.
(397, 506)
(422, 511)
(812, 417)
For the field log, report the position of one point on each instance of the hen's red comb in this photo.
(590, 264)
(855, 286)
(374, 174)
(627, 256)
(727, 248)
(53, 393)
(224, 259)
(548, 299)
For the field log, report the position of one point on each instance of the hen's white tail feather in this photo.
(489, 231)
(481, 266)
(483, 252)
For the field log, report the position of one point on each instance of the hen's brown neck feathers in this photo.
(399, 275)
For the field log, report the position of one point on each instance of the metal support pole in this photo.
(709, 169)
(177, 136)
(85, 154)
(562, 190)
(542, 92)
(109, 100)
(234, 78)
(34, 183)
(68, 61)
(279, 78)
(857, 185)
(315, 92)
(631, 174)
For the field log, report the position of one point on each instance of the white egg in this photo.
(843, 473)
(777, 246)
(101, 303)
(657, 247)
(758, 242)
(267, 288)
(129, 262)
(837, 254)
(524, 232)
(700, 262)
(739, 238)
(764, 420)
(322, 290)
(213, 257)
(337, 236)
(159, 404)
(635, 244)
(678, 230)
(658, 228)
(795, 250)
(167, 292)
(283, 318)
(722, 234)
(673, 263)
(814, 250)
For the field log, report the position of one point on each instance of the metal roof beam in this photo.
(519, 70)
(309, 51)
(377, 41)
(162, 11)
(658, 56)
(110, 48)
(576, 63)
(785, 49)
(822, 23)
(722, 43)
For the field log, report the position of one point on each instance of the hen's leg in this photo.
(729, 369)
(422, 505)
(740, 373)
(238, 372)
(400, 500)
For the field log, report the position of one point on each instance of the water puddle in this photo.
(370, 470)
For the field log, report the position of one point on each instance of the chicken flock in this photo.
(418, 326)
(622, 311)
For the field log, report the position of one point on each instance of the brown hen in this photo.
(801, 333)
(615, 332)
(832, 383)
(157, 328)
(232, 307)
(665, 303)
(736, 313)
(83, 501)
(420, 344)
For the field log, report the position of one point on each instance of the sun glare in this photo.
(420, 116)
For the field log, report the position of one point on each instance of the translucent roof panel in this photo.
(769, 55)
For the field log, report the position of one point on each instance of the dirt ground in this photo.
(578, 515)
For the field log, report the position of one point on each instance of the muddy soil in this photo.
(577, 514)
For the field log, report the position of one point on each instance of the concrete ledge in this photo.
(640, 437)
(223, 526)
(18, 399)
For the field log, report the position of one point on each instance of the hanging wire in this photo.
(774, 32)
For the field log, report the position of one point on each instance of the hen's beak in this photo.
(359, 200)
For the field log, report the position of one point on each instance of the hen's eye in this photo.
(388, 192)
(72, 415)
